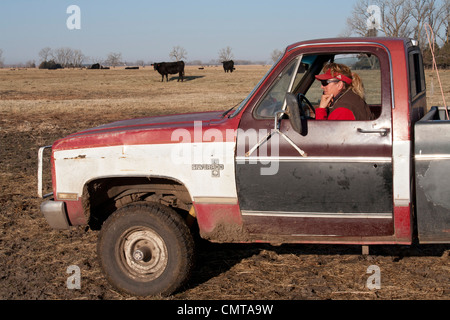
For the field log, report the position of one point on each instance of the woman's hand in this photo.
(325, 100)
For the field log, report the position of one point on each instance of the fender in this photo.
(200, 155)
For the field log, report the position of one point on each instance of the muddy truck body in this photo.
(263, 171)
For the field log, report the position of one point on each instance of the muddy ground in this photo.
(34, 259)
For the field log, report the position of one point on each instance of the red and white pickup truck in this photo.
(264, 171)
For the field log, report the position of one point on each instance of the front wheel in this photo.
(146, 249)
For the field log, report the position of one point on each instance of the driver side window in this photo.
(367, 67)
(300, 78)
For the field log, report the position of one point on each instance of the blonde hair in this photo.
(357, 85)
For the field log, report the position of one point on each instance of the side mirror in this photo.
(293, 112)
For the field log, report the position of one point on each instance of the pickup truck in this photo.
(263, 171)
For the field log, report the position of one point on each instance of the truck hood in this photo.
(152, 130)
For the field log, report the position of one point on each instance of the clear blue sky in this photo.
(148, 30)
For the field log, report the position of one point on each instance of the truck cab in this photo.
(350, 180)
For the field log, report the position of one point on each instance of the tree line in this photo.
(60, 58)
(70, 58)
(427, 21)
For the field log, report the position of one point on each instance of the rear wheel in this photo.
(146, 249)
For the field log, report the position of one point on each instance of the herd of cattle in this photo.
(166, 68)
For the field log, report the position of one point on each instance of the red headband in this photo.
(327, 75)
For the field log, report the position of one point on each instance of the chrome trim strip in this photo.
(316, 159)
(314, 235)
(357, 43)
(322, 215)
(428, 157)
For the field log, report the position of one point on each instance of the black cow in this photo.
(228, 66)
(98, 66)
(166, 68)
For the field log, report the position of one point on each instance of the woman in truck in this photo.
(343, 95)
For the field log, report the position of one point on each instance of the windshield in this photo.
(244, 102)
(274, 99)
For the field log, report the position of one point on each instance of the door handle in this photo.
(383, 131)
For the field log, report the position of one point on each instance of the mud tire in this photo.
(146, 250)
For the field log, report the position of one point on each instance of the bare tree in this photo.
(400, 18)
(30, 64)
(432, 13)
(446, 37)
(276, 54)
(396, 18)
(394, 15)
(439, 19)
(63, 56)
(45, 54)
(178, 53)
(114, 59)
(226, 54)
(357, 22)
(1, 58)
(77, 58)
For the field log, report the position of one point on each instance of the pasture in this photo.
(40, 106)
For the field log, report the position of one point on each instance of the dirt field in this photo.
(37, 107)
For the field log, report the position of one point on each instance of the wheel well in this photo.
(102, 197)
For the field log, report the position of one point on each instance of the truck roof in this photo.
(386, 41)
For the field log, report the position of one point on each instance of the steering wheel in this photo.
(305, 110)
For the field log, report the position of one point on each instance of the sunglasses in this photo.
(327, 82)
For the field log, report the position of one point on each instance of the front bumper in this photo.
(55, 214)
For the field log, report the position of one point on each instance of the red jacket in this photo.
(347, 106)
(338, 114)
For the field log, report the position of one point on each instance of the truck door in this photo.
(334, 179)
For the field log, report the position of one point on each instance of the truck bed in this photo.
(432, 176)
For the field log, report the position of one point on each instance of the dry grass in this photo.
(135, 93)
(129, 93)
(434, 96)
